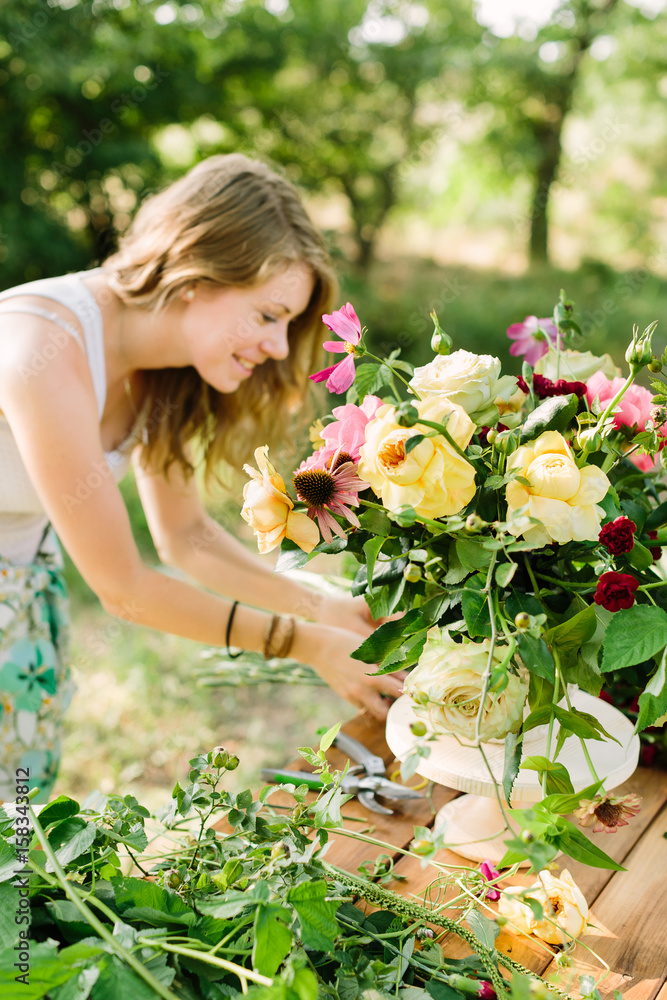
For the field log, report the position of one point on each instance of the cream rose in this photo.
(575, 366)
(446, 687)
(563, 903)
(268, 509)
(561, 496)
(472, 381)
(433, 478)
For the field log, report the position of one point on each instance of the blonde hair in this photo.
(233, 222)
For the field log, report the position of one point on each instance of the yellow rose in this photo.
(268, 509)
(433, 478)
(561, 496)
(565, 908)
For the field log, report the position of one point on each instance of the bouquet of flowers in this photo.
(510, 529)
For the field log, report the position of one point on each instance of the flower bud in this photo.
(639, 353)
(522, 620)
(655, 365)
(474, 523)
(412, 573)
(421, 847)
(424, 934)
(233, 762)
(501, 920)
(527, 836)
(173, 879)
(404, 517)
(418, 729)
(590, 439)
(441, 342)
(219, 757)
(492, 436)
(278, 850)
(407, 414)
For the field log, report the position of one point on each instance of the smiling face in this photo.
(230, 331)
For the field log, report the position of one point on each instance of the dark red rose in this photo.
(544, 388)
(656, 551)
(618, 536)
(616, 591)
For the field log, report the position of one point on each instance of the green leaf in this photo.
(117, 980)
(79, 986)
(329, 737)
(536, 656)
(48, 969)
(273, 940)
(413, 441)
(571, 634)
(441, 991)
(9, 908)
(61, 808)
(564, 804)
(633, 635)
(512, 761)
(317, 915)
(558, 778)
(472, 554)
(69, 839)
(138, 899)
(518, 601)
(639, 557)
(657, 518)
(370, 378)
(290, 557)
(371, 549)
(387, 638)
(579, 848)
(582, 724)
(653, 699)
(376, 522)
(486, 930)
(8, 862)
(505, 573)
(552, 415)
(475, 608)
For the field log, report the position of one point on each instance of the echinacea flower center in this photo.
(343, 457)
(608, 813)
(316, 487)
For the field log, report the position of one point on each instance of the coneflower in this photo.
(330, 489)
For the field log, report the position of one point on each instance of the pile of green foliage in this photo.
(253, 909)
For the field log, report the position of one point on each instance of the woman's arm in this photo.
(54, 420)
(187, 538)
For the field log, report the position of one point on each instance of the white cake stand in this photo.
(473, 824)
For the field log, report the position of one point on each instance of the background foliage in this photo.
(458, 159)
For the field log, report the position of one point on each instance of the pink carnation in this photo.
(634, 409)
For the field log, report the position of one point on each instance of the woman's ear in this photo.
(188, 294)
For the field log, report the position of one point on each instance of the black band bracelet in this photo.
(228, 634)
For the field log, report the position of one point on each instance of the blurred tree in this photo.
(105, 99)
(532, 86)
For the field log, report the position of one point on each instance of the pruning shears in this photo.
(367, 779)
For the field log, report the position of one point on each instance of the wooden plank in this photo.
(629, 919)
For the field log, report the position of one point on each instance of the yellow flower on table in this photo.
(433, 477)
(561, 496)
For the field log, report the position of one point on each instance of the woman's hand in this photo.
(349, 613)
(328, 650)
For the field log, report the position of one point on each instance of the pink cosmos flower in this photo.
(634, 409)
(345, 323)
(328, 489)
(348, 431)
(533, 338)
(490, 874)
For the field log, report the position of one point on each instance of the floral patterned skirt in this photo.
(35, 688)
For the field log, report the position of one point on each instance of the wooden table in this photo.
(628, 910)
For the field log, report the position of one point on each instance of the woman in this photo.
(191, 343)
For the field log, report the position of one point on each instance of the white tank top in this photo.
(22, 516)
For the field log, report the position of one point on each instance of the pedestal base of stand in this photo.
(475, 828)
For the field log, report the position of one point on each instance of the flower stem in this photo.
(222, 963)
(386, 364)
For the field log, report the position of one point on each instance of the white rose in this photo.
(473, 381)
(575, 366)
(565, 908)
(446, 687)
